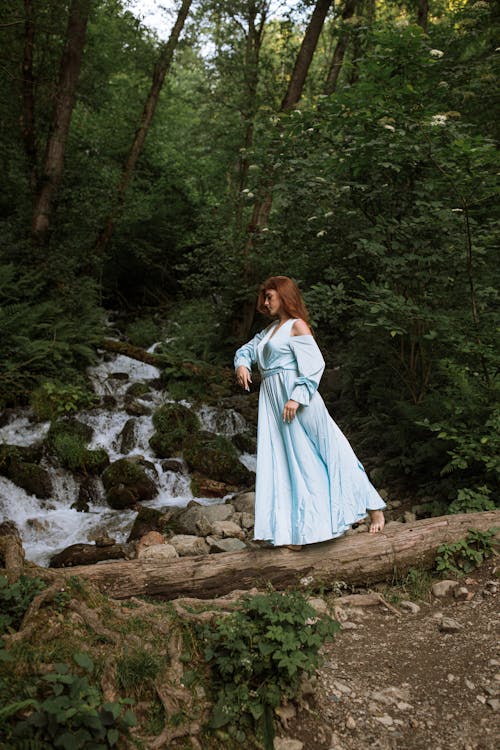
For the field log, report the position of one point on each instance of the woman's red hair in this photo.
(289, 294)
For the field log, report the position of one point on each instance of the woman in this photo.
(310, 486)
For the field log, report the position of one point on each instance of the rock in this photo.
(462, 593)
(449, 625)
(493, 703)
(157, 552)
(204, 487)
(386, 720)
(147, 519)
(225, 545)
(126, 483)
(127, 436)
(197, 516)
(89, 493)
(32, 478)
(318, 604)
(285, 743)
(228, 529)
(410, 607)
(469, 684)
(245, 442)
(148, 540)
(187, 545)
(104, 541)
(444, 588)
(174, 424)
(350, 722)
(349, 625)
(137, 409)
(214, 456)
(247, 520)
(173, 464)
(244, 503)
(137, 390)
(341, 687)
(409, 517)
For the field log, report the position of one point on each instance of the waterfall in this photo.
(47, 526)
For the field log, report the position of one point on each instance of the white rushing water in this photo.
(48, 526)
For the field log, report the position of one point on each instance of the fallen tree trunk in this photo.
(358, 559)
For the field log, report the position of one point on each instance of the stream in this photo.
(49, 525)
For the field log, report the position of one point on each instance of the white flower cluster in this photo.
(438, 120)
(436, 53)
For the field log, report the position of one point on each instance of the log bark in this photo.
(358, 559)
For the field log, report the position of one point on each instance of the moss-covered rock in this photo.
(32, 478)
(137, 390)
(67, 440)
(10, 454)
(215, 457)
(126, 483)
(174, 424)
(245, 442)
(147, 519)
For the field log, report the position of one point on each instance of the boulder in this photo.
(245, 442)
(146, 520)
(89, 493)
(198, 519)
(31, 478)
(216, 457)
(173, 464)
(227, 529)
(157, 552)
(225, 545)
(204, 487)
(127, 483)
(187, 545)
(87, 554)
(174, 423)
(127, 436)
(244, 503)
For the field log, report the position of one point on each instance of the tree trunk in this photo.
(65, 94)
(359, 559)
(305, 56)
(160, 71)
(423, 14)
(340, 49)
(28, 96)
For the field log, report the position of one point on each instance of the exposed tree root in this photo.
(91, 619)
(177, 699)
(365, 600)
(11, 551)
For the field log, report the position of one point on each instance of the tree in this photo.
(64, 101)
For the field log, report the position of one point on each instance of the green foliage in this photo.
(15, 599)
(417, 583)
(463, 556)
(67, 440)
(472, 501)
(137, 669)
(258, 657)
(68, 712)
(143, 332)
(54, 399)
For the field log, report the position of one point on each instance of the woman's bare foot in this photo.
(377, 521)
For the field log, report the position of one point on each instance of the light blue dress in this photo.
(310, 485)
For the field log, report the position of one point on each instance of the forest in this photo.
(348, 145)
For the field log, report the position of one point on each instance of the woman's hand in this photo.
(290, 410)
(244, 377)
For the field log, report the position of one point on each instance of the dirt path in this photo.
(404, 682)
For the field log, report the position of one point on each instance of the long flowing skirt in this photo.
(310, 485)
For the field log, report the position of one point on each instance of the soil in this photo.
(401, 683)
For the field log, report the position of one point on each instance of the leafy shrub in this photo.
(143, 332)
(472, 501)
(466, 554)
(53, 399)
(67, 713)
(258, 656)
(15, 599)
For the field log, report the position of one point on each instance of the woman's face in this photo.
(272, 302)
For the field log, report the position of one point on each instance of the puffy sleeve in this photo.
(310, 364)
(247, 354)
